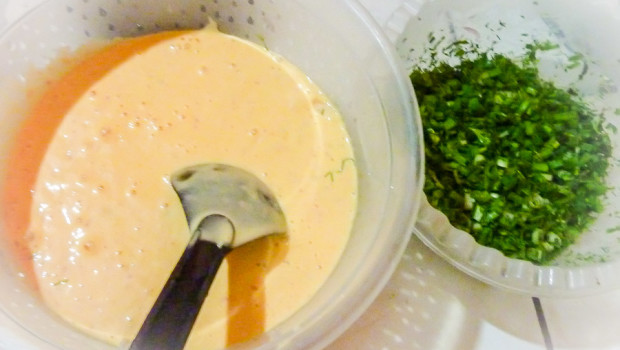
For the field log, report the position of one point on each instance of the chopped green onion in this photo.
(510, 158)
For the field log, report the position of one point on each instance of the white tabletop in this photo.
(430, 305)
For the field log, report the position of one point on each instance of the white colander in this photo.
(340, 48)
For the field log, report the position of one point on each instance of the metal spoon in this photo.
(225, 207)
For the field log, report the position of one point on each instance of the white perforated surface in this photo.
(428, 304)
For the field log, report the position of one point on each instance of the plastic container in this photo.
(592, 264)
(340, 48)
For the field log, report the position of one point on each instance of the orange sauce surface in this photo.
(37, 131)
(87, 196)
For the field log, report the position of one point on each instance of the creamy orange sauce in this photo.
(106, 227)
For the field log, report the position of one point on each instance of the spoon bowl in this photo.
(225, 207)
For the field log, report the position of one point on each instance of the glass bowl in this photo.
(337, 44)
(592, 264)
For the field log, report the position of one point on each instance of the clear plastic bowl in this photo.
(340, 48)
(592, 264)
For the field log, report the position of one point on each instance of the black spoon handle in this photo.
(170, 321)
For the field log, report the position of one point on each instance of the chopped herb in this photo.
(62, 281)
(343, 163)
(575, 60)
(510, 158)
